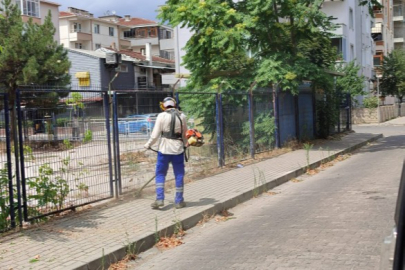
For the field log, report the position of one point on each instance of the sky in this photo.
(136, 8)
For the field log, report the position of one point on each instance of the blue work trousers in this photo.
(162, 166)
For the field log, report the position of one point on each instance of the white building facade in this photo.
(353, 38)
(80, 30)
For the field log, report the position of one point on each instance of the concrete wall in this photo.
(364, 116)
(45, 8)
(372, 116)
(104, 38)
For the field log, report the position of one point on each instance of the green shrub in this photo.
(88, 136)
(61, 122)
(370, 102)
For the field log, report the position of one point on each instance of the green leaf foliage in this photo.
(264, 41)
(393, 74)
(30, 55)
(351, 82)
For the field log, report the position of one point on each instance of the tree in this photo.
(393, 74)
(30, 56)
(351, 83)
(236, 44)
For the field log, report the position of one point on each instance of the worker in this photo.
(170, 128)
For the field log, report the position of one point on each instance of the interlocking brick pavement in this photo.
(79, 241)
(335, 220)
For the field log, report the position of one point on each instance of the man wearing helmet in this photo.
(170, 128)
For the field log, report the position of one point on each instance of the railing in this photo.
(398, 10)
(87, 146)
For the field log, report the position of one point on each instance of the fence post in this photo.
(176, 97)
(107, 125)
(20, 182)
(251, 124)
(220, 137)
(276, 118)
(117, 169)
(9, 164)
(350, 111)
(314, 114)
(297, 116)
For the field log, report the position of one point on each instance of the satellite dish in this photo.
(113, 12)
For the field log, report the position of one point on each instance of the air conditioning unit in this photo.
(113, 58)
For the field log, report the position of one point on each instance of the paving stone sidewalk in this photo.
(100, 235)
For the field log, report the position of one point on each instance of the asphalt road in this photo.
(336, 219)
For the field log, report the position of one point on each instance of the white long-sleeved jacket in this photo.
(168, 146)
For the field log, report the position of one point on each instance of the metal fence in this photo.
(72, 147)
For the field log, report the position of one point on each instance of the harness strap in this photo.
(172, 134)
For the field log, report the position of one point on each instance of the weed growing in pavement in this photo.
(102, 259)
(205, 218)
(307, 147)
(178, 227)
(131, 249)
(157, 237)
(259, 182)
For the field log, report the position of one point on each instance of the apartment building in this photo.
(37, 10)
(399, 23)
(353, 38)
(383, 32)
(144, 31)
(79, 29)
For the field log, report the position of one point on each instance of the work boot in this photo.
(156, 204)
(180, 205)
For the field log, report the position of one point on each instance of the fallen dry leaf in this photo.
(312, 172)
(272, 193)
(169, 242)
(295, 180)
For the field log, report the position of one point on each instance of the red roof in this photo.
(135, 21)
(65, 14)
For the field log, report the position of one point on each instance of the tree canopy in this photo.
(235, 43)
(263, 41)
(393, 74)
(351, 83)
(30, 55)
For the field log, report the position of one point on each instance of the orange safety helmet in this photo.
(195, 138)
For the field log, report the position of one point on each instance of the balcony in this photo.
(399, 40)
(141, 41)
(341, 31)
(80, 36)
(125, 43)
(398, 13)
(167, 44)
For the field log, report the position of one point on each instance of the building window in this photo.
(78, 45)
(97, 29)
(165, 34)
(351, 21)
(111, 31)
(29, 8)
(152, 32)
(83, 78)
(98, 46)
(77, 27)
(122, 68)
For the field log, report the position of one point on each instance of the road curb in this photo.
(148, 240)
